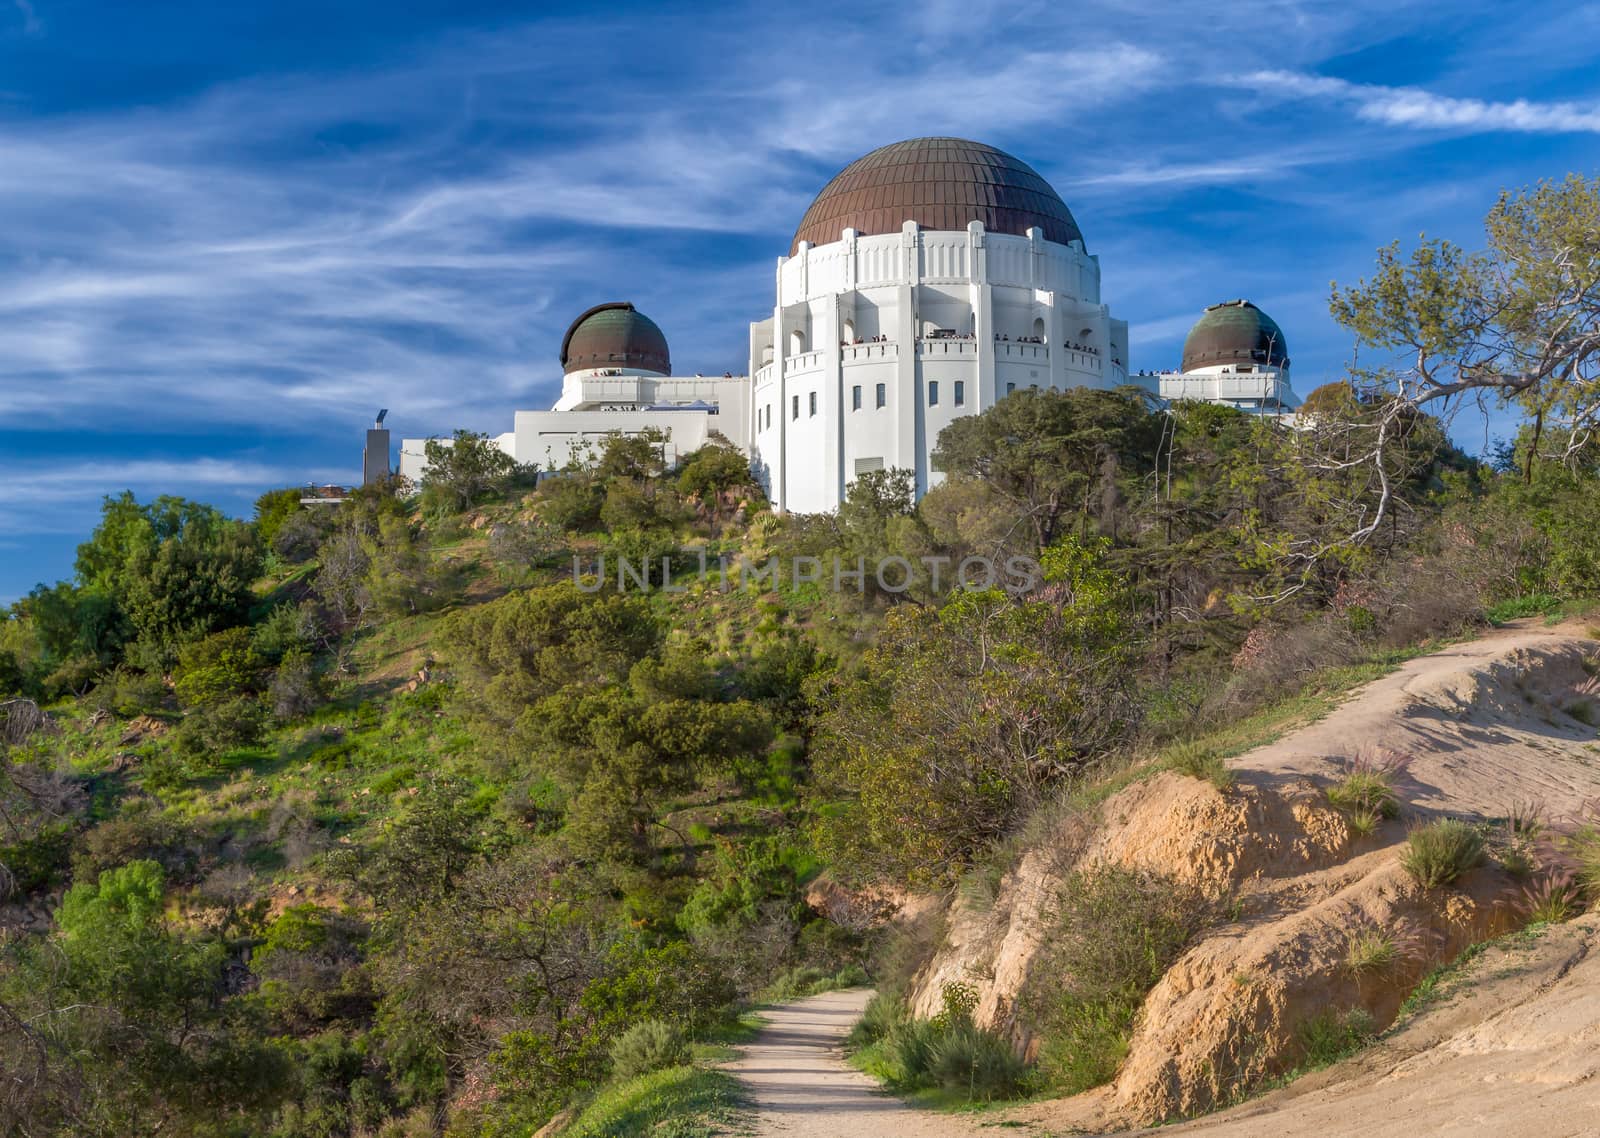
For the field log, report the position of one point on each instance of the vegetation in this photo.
(371, 820)
(1117, 932)
(1438, 853)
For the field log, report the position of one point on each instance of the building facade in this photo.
(617, 378)
(1235, 355)
(927, 281)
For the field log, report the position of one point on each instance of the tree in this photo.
(1518, 322)
(1054, 455)
(466, 469)
(960, 718)
(273, 509)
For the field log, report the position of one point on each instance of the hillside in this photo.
(1491, 727)
(413, 816)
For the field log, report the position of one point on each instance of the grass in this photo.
(1369, 951)
(1200, 761)
(1553, 898)
(1438, 853)
(1333, 1035)
(679, 1102)
(798, 983)
(1442, 982)
(1535, 604)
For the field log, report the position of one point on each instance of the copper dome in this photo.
(615, 335)
(1234, 332)
(939, 183)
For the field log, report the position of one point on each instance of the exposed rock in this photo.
(1483, 724)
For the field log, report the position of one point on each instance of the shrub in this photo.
(1554, 897)
(1118, 931)
(1583, 845)
(651, 1045)
(880, 1017)
(1367, 786)
(1439, 852)
(1331, 1036)
(1202, 762)
(979, 1062)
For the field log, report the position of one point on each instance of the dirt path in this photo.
(800, 1086)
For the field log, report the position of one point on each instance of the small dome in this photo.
(939, 183)
(615, 335)
(1234, 332)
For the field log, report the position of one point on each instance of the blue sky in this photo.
(230, 232)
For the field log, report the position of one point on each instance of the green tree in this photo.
(1515, 321)
(959, 719)
(1055, 457)
(466, 469)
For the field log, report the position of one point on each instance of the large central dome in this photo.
(939, 183)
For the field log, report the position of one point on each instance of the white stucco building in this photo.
(617, 377)
(1235, 355)
(927, 281)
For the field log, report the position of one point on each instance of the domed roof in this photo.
(1235, 331)
(939, 183)
(615, 335)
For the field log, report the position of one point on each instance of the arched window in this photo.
(849, 331)
(797, 342)
(1038, 329)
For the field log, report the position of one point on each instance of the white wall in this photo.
(900, 287)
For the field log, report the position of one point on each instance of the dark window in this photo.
(961, 392)
(813, 403)
(933, 393)
(794, 411)
(1010, 387)
(883, 395)
(855, 398)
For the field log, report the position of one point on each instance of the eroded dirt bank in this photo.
(1487, 724)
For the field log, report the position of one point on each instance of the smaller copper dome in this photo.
(1234, 332)
(615, 335)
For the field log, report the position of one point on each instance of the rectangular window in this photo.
(868, 465)
(961, 392)
(883, 395)
(813, 404)
(1010, 387)
(794, 409)
(855, 398)
(933, 393)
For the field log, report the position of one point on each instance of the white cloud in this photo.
(1413, 107)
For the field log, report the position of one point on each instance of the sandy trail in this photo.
(800, 1086)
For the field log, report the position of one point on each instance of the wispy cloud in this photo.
(1413, 107)
(31, 25)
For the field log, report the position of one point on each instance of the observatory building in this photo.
(616, 377)
(1235, 355)
(928, 280)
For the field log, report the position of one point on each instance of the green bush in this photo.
(1202, 762)
(963, 1058)
(1440, 852)
(881, 1016)
(651, 1045)
(1118, 931)
(1330, 1036)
